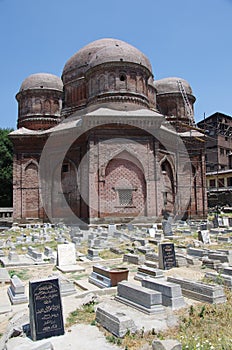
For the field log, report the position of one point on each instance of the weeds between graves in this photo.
(79, 277)
(205, 327)
(83, 315)
(107, 254)
(201, 327)
(131, 341)
(22, 274)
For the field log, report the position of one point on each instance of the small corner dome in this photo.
(42, 81)
(170, 85)
(103, 51)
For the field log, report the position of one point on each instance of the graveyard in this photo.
(124, 286)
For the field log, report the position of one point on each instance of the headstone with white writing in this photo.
(46, 316)
(167, 257)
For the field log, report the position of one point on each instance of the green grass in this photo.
(83, 315)
(22, 274)
(79, 277)
(107, 254)
(200, 327)
(205, 327)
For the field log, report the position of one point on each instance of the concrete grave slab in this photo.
(5, 304)
(16, 291)
(4, 275)
(133, 258)
(171, 292)
(200, 291)
(117, 323)
(145, 271)
(140, 298)
(222, 278)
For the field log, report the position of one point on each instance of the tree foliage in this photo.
(6, 169)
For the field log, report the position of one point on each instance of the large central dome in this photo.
(107, 70)
(105, 50)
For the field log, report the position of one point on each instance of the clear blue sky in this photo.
(191, 39)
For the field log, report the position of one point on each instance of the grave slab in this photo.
(227, 270)
(117, 323)
(171, 292)
(169, 344)
(16, 291)
(4, 275)
(140, 298)
(133, 259)
(200, 291)
(5, 304)
(216, 277)
(145, 271)
(93, 254)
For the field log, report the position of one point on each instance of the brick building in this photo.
(218, 128)
(218, 155)
(106, 142)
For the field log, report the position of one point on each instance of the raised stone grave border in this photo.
(200, 291)
(16, 291)
(145, 271)
(226, 280)
(141, 298)
(171, 292)
(117, 323)
(133, 259)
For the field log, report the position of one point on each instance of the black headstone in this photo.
(167, 257)
(230, 221)
(46, 317)
(200, 238)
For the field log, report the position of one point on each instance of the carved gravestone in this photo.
(167, 257)
(66, 254)
(46, 317)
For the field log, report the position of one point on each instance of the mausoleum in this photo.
(106, 142)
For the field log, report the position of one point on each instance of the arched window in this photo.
(37, 108)
(47, 106)
(111, 82)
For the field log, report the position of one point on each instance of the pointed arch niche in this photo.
(31, 202)
(65, 195)
(123, 191)
(168, 181)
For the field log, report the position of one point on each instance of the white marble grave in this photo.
(66, 258)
